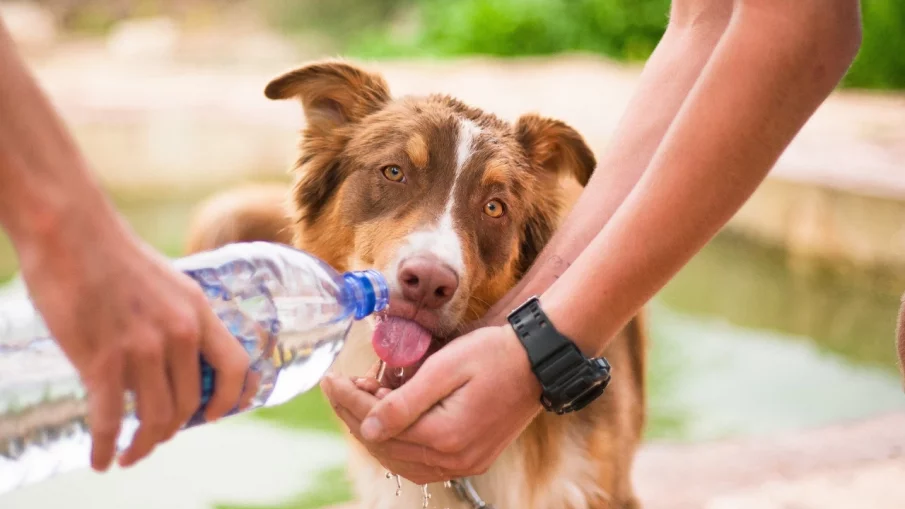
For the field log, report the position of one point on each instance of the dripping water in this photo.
(425, 497)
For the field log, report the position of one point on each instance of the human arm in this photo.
(122, 316)
(776, 63)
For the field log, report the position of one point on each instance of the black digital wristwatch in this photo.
(570, 381)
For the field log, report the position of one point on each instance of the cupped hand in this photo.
(129, 322)
(462, 408)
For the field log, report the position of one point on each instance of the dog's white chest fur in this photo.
(505, 485)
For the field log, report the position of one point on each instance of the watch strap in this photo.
(570, 381)
(538, 335)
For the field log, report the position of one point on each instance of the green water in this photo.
(741, 343)
(745, 345)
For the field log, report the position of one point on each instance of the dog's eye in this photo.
(493, 208)
(394, 174)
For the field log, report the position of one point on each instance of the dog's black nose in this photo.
(427, 281)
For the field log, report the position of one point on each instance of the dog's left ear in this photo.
(555, 147)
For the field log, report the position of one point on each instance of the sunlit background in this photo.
(785, 322)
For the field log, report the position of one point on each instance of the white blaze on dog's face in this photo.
(429, 262)
(428, 191)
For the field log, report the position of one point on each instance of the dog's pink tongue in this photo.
(400, 342)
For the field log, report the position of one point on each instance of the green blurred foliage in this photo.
(626, 30)
(330, 488)
(881, 61)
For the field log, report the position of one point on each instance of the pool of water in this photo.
(745, 342)
(742, 343)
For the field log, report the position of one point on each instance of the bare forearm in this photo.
(43, 177)
(776, 63)
(668, 76)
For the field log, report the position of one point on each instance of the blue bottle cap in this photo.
(369, 290)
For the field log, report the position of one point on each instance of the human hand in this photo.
(128, 321)
(455, 416)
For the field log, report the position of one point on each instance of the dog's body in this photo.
(452, 205)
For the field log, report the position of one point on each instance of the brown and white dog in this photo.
(452, 204)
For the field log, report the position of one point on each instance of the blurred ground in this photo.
(265, 464)
(840, 467)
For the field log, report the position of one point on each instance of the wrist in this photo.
(570, 322)
(63, 222)
(521, 365)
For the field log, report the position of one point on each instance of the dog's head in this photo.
(451, 203)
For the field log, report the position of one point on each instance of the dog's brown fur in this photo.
(351, 218)
(246, 214)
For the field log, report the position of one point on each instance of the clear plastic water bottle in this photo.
(290, 311)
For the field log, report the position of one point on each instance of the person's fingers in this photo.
(250, 390)
(344, 394)
(230, 363)
(410, 459)
(374, 371)
(185, 377)
(327, 385)
(105, 413)
(154, 400)
(368, 384)
(398, 410)
(401, 467)
(351, 422)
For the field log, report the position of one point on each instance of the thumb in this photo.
(397, 411)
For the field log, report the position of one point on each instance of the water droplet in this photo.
(425, 496)
(447, 484)
(380, 371)
(400, 372)
(389, 474)
(398, 485)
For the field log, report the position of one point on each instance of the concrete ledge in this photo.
(832, 223)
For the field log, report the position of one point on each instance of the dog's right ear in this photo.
(332, 93)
